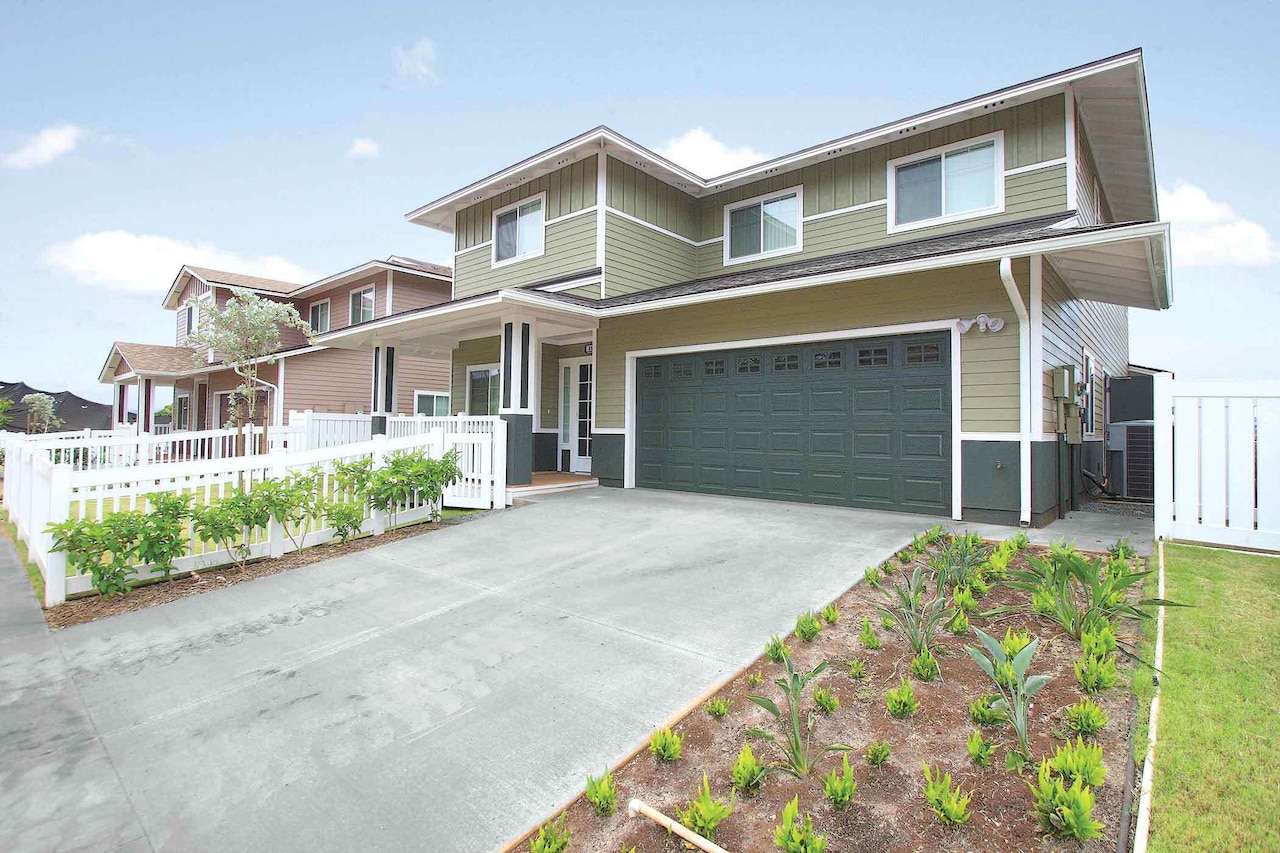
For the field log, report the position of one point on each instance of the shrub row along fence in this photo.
(45, 486)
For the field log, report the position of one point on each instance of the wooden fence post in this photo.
(55, 573)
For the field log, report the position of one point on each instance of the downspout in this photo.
(1025, 397)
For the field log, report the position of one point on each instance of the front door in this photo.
(577, 397)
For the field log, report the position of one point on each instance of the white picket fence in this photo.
(40, 490)
(1217, 458)
(330, 429)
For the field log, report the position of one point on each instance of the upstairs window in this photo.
(361, 305)
(191, 318)
(763, 227)
(517, 231)
(947, 184)
(319, 317)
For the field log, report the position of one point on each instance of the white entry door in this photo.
(577, 399)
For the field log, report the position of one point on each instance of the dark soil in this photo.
(888, 811)
(92, 607)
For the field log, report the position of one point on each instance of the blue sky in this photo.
(290, 139)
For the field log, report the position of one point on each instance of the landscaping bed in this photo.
(888, 810)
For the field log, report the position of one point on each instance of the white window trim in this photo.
(466, 381)
(493, 231)
(1088, 374)
(184, 394)
(798, 192)
(351, 321)
(417, 394)
(891, 183)
(328, 317)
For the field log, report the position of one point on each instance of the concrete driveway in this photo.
(440, 693)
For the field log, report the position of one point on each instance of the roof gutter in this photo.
(1025, 398)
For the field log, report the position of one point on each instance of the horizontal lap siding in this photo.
(639, 258)
(328, 380)
(194, 290)
(570, 246)
(411, 292)
(417, 374)
(1071, 324)
(989, 361)
(550, 401)
(569, 189)
(475, 351)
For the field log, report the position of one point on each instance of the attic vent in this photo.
(906, 130)
(993, 105)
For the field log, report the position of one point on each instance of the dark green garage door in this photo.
(863, 422)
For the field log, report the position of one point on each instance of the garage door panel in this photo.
(786, 442)
(653, 439)
(827, 443)
(653, 404)
(923, 399)
(873, 488)
(681, 403)
(748, 479)
(829, 485)
(748, 440)
(786, 482)
(873, 443)
(924, 445)
(682, 438)
(829, 401)
(789, 402)
(869, 400)
(712, 402)
(712, 439)
(924, 492)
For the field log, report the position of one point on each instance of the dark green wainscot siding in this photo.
(608, 455)
(519, 449)
(992, 484)
(546, 450)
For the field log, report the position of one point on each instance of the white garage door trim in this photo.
(629, 460)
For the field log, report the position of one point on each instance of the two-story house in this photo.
(877, 321)
(301, 375)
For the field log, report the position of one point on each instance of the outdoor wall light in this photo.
(984, 324)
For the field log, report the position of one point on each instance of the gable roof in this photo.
(1109, 93)
(155, 359)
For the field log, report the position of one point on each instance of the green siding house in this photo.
(879, 321)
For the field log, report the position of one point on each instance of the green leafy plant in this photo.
(666, 744)
(868, 637)
(830, 614)
(917, 620)
(877, 752)
(1123, 550)
(925, 666)
(1079, 761)
(103, 549)
(857, 669)
(798, 755)
(807, 626)
(872, 576)
(704, 812)
(982, 713)
(602, 795)
(352, 477)
(552, 837)
(887, 623)
(1064, 811)
(1097, 674)
(776, 649)
(345, 517)
(748, 772)
(796, 834)
(826, 701)
(901, 700)
(1015, 642)
(905, 556)
(979, 749)
(958, 560)
(959, 623)
(162, 534)
(1016, 688)
(962, 597)
(755, 679)
(222, 524)
(1086, 718)
(951, 805)
(840, 786)
(411, 477)
(1099, 641)
(1020, 540)
(718, 706)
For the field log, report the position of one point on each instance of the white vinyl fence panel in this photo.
(1217, 448)
(329, 429)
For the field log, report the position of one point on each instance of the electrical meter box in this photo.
(1074, 427)
(1064, 382)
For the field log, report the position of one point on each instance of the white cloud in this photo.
(417, 63)
(1209, 233)
(364, 149)
(147, 263)
(703, 154)
(44, 147)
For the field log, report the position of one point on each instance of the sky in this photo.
(288, 140)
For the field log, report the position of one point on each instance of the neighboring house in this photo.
(303, 376)
(74, 412)
(872, 322)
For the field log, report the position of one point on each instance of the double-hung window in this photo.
(517, 230)
(763, 227)
(361, 305)
(947, 184)
(319, 317)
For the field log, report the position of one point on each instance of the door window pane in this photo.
(566, 390)
(918, 191)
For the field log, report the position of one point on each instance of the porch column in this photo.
(146, 400)
(384, 387)
(119, 404)
(519, 389)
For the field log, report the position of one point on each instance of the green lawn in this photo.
(1217, 777)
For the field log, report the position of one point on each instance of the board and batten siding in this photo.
(569, 247)
(1071, 325)
(465, 354)
(989, 360)
(568, 190)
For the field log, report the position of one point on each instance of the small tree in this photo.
(246, 333)
(41, 416)
(5, 418)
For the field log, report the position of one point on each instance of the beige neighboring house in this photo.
(303, 376)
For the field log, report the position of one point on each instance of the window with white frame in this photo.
(319, 316)
(763, 227)
(518, 230)
(1088, 393)
(181, 413)
(483, 385)
(431, 403)
(191, 318)
(361, 305)
(947, 184)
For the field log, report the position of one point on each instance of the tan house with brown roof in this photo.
(301, 376)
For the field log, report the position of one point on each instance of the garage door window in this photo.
(749, 364)
(713, 367)
(828, 360)
(653, 371)
(924, 354)
(873, 357)
(681, 370)
(786, 363)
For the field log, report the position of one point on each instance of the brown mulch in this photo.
(888, 812)
(92, 607)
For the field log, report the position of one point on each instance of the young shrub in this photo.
(979, 748)
(344, 518)
(917, 620)
(552, 837)
(888, 567)
(796, 835)
(950, 805)
(1020, 541)
(1015, 686)
(162, 537)
(887, 623)
(982, 713)
(86, 543)
(1086, 718)
(776, 650)
(877, 752)
(1096, 674)
(901, 700)
(959, 623)
(755, 679)
(958, 561)
(925, 665)
(825, 700)
(905, 556)
(1080, 762)
(798, 756)
(807, 626)
(1064, 811)
(1123, 550)
(666, 744)
(1042, 602)
(704, 812)
(868, 637)
(963, 599)
(1014, 643)
(718, 706)
(602, 795)
(748, 772)
(1099, 642)
(830, 614)
(857, 669)
(840, 786)
(872, 576)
